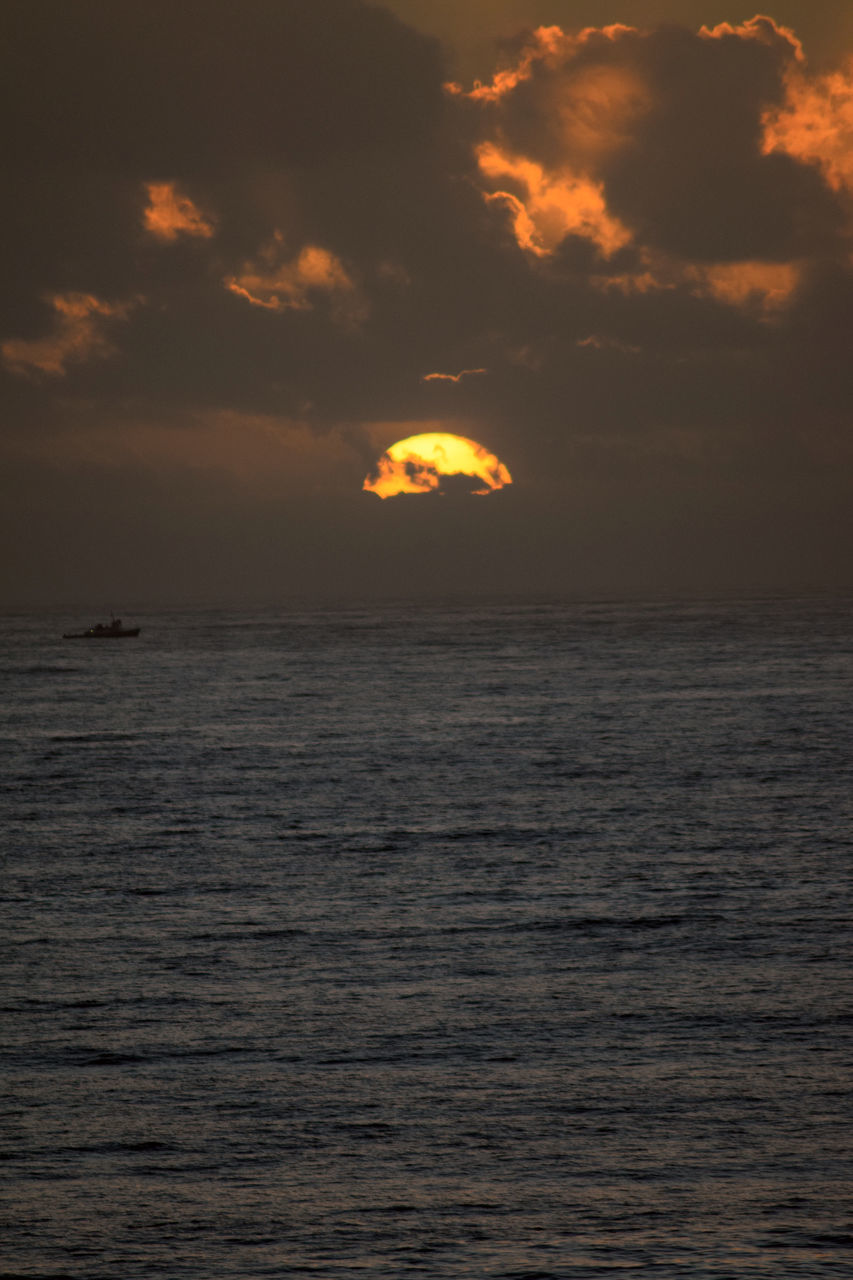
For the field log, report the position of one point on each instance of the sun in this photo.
(436, 462)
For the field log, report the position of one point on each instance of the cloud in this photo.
(769, 284)
(759, 287)
(170, 214)
(257, 456)
(684, 148)
(596, 342)
(544, 45)
(101, 98)
(761, 28)
(547, 207)
(200, 89)
(814, 124)
(278, 284)
(450, 377)
(78, 336)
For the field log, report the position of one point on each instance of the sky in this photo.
(239, 238)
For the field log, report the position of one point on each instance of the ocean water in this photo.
(443, 941)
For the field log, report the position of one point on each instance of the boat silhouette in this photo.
(112, 630)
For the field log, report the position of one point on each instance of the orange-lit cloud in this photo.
(546, 207)
(547, 46)
(550, 184)
(279, 285)
(418, 464)
(770, 285)
(544, 44)
(815, 124)
(763, 286)
(575, 135)
(761, 28)
(170, 214)
(450, 377)
(78, 336)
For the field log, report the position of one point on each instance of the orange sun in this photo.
(423, 464)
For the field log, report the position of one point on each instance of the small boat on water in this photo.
(112, 630)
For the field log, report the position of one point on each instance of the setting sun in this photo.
(422, 464)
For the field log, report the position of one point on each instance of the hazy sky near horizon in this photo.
(238, 237)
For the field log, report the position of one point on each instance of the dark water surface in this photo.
(444, 942)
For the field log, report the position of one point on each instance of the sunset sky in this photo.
(240, 237)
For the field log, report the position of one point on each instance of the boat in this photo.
(112, 630)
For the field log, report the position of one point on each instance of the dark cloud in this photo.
(671, 122)
(200, 87)
(694, 180)
(100, 98)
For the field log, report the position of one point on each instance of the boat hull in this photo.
(124, 634)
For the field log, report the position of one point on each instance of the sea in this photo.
(503, 939)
